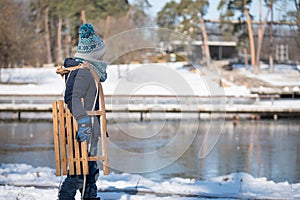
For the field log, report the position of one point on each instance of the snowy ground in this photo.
(20, 181)
(152, 79)
(159, 78)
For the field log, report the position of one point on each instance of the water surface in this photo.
(262, 148)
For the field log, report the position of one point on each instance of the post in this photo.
(19, 115)
(142, 116)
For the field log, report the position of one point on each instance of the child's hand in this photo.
(84, 129)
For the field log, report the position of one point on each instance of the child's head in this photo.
(90, 45)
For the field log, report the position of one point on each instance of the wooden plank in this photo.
(84, 153)
(76, 147)
(103, 129)
(95, 158)
(62, 136)
(56, 138)
(102, 120)
(70, 141)
(95, 113)
(209, 108)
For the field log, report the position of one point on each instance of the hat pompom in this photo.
(86, 30)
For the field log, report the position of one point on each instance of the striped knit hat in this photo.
(90, 45)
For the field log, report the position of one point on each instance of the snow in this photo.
(146, 79)
(31, 81)
(279, 78)
(21, 181)
(139, 79)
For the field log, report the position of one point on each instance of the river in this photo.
(175, 148)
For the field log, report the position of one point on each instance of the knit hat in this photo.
(90, 45)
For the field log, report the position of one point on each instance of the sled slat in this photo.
(84, 158)
(56, 138)
(95, 158)
(62, 136)
(103, 130)
(76, 148)
(70, 141)
(95, 113)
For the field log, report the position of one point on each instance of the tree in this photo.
(295, 17)
(16, 35)
(233, 6)
(271, 49)
(47, 36)
(58, 13)
(66, 16)
(168, 17)
(138, 14)
(95, 11)
(187, 17)
(40, 18)
(250, 35)
(193, 13)
(261, 32)
(50, 27)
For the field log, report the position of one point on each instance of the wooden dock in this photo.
(144, 104)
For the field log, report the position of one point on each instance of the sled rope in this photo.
(63, 70)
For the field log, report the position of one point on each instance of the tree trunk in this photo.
(67, 40)
(297, 6)
(129, 12)
(251, 38)
(59, 41)
(271, 42)
(82, 17)
(47, 36)
(107, 26)
(246, 58)
(205, 42)
(261, 32)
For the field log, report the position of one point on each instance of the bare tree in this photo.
(59, 41)
(16, 35)
(47, 35)
(251, 37)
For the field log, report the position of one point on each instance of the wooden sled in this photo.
(71, 156)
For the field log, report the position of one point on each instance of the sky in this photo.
(213, 13)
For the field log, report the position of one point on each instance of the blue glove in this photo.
(84, 129)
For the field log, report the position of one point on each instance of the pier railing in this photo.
(250, 104)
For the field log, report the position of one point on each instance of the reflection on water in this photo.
(30, 143)
(262, 148)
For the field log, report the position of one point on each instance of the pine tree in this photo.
(242, 7)
(187, 17)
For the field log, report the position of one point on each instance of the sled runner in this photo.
(71, 156)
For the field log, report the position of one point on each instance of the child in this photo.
(81, 86)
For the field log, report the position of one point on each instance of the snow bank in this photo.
(145, 79)
(31, 81)
(21, 181)
(139, 79)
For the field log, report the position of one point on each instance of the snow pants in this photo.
(75, 182)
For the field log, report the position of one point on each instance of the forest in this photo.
(38, 32)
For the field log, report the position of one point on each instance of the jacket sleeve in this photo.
(69, 89)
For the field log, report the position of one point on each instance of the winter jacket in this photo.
(80, 84)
